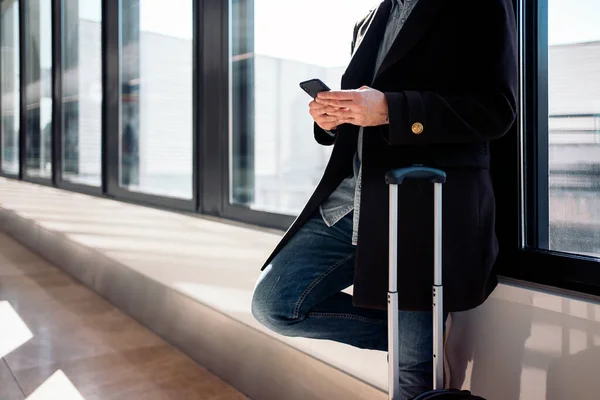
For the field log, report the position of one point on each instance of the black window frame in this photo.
(111, 31)
(217, 124)
(58, 125)
(528, 260)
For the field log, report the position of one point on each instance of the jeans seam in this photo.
(348, 316)
(316, 282)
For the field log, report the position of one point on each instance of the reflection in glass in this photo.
(275, 163)
(10, 77)
(156, 97)
(38, 81)
(82, 91)
(574, 126)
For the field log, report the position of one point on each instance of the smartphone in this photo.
(314, 87)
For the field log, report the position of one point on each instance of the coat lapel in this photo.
(418, 22)
(367, 44)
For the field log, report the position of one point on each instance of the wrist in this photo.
(385, 117)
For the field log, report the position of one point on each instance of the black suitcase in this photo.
(395, 178)
(447, 394)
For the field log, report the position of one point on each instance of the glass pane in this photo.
(275, 162)
(82, 91)
(574, 126)
(9, 62)
(38, 78)
(156, 97)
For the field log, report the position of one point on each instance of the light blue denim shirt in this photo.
(347, 195)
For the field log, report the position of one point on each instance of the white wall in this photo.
(527, 344)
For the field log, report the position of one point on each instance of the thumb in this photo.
(363, 87)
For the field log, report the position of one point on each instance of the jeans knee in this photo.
(269, 310)
(259, 305)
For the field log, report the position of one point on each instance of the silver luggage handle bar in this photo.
(395, 178)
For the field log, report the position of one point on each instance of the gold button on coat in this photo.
(417, 128)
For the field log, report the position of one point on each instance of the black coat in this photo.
(452, 71)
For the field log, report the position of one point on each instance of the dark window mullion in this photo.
(1, 88)
(197, 132)
(542, 193)
(110, 98)
(22, 89)
(57, 123)
(213, 106)
(536, 124)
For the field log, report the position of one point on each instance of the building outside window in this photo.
(10, 80)
(82, 91)
(275, 162)
(156, 97)
(38, 88)
(574, 126)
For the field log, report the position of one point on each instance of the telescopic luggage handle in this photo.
(394, 178)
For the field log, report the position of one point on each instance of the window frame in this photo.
(528, 261)
(58, 126)
(111, 130)
(110, 112)
(211, 119)
(215, 112)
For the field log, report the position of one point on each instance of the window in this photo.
(38, 88)
(81, 91)
(156, 97)
(275, 163)
(10, 81)
(574, 127)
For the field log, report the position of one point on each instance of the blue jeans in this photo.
(300, 294)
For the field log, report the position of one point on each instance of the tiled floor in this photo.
(60, 341)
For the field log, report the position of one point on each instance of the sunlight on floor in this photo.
(14, 333)
(58, 386)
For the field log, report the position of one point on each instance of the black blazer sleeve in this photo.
(321, 136)
(485, 108)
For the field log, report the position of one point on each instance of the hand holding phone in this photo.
(321, 114)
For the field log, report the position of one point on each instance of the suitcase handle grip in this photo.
(397, 176)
